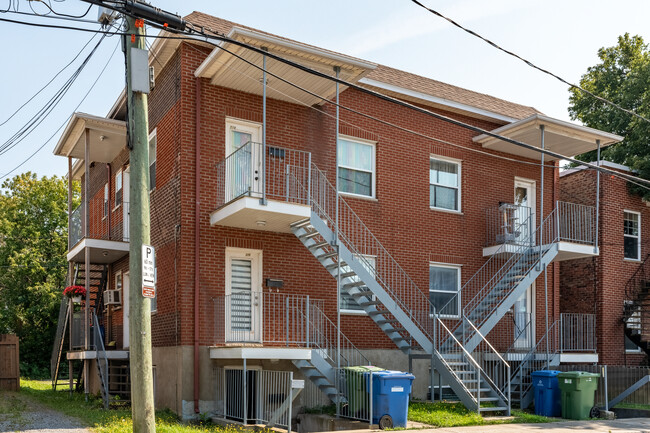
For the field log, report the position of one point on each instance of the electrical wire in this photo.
(532, 65)
(67, 120)
(223, 38)
(64, 15)
(42, 114)
(49, 82)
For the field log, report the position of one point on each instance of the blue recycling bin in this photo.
(390, 398)
(548, 401)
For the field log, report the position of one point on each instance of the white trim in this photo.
(259, 353)
(602, 164)
(459, 188)
(436, 100)
(373, 172)
(637, 237)
(458, 283)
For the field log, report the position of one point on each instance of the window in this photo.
(106, 199)
(356, 166)
(348, 303)
(631, 235)
(444, 285)
(118, 188)
(153, 146)
(630, 346)
(444, 184)
(634, 323)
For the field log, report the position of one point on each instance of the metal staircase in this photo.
(636, 311)
(388, 295)
(325, 356)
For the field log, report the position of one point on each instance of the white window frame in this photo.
(119, 175)
(373, 172)
(458, 286)
(106, 208)
(361, 312)
(153, 135)
(459, 163)
(637, 237)
(121, 288)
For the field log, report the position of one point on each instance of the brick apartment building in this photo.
(611, 285)
(438, 239)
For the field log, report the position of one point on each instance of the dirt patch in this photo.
(18, 413)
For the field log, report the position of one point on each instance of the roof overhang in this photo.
(227, 70)
(559, 136)
(107, 138)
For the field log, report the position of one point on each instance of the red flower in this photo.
(72, 291)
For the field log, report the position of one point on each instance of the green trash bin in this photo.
(578, 390)
(358, 389)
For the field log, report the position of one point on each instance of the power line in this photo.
(531, 64)
(221, 37)
(66, 121)
(49, 82)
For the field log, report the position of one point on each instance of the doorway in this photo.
(243, 304)
(243, 159)
(525, 198)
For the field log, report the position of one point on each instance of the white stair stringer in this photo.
(401, 327)
(321, 373)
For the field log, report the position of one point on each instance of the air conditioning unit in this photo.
(113, 297)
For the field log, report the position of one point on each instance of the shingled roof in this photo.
(396, 77)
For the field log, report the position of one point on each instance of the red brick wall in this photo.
(598, 285)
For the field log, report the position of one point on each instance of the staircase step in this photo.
(309, 235)
(493, 409)
(361, 294)
(369, 303)
(327, 256)
(335, 266)
(354, 284)
(301, 223)
(386, 321)
(319, 245)
(348, 274)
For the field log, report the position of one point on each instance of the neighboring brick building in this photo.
(436, 227)
(598, 285)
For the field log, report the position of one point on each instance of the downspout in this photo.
(108, 205)
(197, 237)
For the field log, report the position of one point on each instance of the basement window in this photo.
(631, 235)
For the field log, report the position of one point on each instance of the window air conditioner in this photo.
(113, 297)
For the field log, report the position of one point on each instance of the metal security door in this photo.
(243, 297)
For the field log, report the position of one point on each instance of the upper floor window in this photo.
(118, 188)
(356, 167)
(631, 235)
(106, 199)
(153, 147)
(444, 287)
(444, 183)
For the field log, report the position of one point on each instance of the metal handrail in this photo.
(486, 342)
(392, 277)
(101, 351)
(633, 285)
(577, 332)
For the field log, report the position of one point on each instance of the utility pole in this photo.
(142, 406)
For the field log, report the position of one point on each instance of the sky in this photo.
(561, 36)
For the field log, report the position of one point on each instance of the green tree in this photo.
(622, 76)
(33, 267)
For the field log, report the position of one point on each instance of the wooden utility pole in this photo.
(142, 405)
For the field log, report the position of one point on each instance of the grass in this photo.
(633, 406)
(454, 414)
(11, 410)
(92, 413)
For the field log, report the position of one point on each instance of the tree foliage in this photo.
(33, 266)
(623, 77)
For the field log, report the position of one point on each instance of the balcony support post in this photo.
(86, 254)
(541, 241)
(597, 194)
(337, 69)
(263, 199)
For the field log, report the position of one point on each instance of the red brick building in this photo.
(443, 238)
(612, 284)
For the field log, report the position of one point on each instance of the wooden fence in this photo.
(9, 358)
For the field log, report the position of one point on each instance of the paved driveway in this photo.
(630, 425)
(18, 414)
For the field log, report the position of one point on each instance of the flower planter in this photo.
(76, 299)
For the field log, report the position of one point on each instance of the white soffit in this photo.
(107, 138)
(225, 69)
(559, 136)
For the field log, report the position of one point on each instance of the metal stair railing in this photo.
(59, 338)
(538, 358)
(101, 357)
(324, 335)
(361, 242)
(496, 367)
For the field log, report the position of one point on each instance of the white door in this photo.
(525, 197)
(243, 304)
(126, 193)
(125, 310)
(244, 168)
(524, 319)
